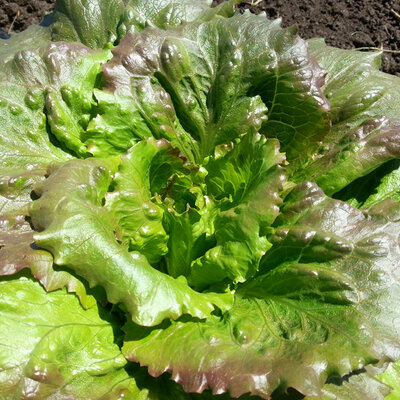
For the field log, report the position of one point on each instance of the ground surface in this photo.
(343, 23)
(19, 14)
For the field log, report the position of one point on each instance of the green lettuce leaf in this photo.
(324, 304)
(122, 122)
(388, 187)
(357, 387)
(191, 229)
(18, 251)
(247, 180)
(25, 146)
(186, 132)
(97, 23)
(70, 207)
(220, 211)
(212, 79)
(165, 14)
(372, 92)
(364, 111)
(139, 219)
(391, 377)
(45, 101)
(356, 155)
(52, 348)
(32, 37)
(91, 22)
(59, 77)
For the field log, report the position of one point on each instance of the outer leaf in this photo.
(97, 23)
(16, 187)
(52, 348)
(63, 351)
(372, 93)
(32, 37)
(205, 71)
(25, 147)
(324, 304)
(163, 388)
(356, 155)
(365, 129)
(69, 108)
(70, 207)
(165, 14)
(91, 22)
(61, 76)
(58, 78)
(17, 251)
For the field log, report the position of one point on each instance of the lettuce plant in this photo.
(195, 204)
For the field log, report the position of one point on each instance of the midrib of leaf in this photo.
(222, 118)
(275, 93)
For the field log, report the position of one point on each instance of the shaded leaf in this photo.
(357, 387)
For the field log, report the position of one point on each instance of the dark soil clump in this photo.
(15, 16)
(346, 24)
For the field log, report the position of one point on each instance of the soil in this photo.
(15, 16)
(346, 24)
